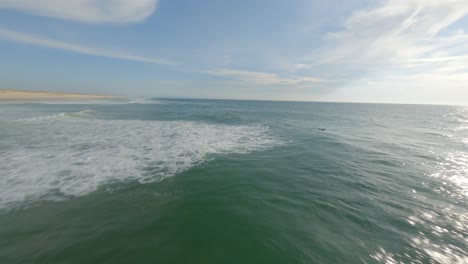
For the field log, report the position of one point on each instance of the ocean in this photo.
(219, 181)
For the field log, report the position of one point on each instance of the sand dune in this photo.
(30, 95)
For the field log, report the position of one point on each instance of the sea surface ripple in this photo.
(217, 181)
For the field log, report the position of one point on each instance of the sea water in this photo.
(215, 181)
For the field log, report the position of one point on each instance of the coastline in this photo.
(19, 95)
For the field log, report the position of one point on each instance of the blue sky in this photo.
(399, 51)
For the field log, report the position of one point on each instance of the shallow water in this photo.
(211, 181)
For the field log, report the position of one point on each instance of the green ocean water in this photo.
(213, 181)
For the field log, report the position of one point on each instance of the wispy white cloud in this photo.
(398, 32)
(29, 39)
(88, 11)
(262, 78)
(408, 47)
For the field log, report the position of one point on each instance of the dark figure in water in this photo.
(321, 129)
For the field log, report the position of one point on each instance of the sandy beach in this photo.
(8, 95)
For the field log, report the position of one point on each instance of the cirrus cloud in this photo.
(88, 11)
(263, 78)
(415, 43)
(41, 41)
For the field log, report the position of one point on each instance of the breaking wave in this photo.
(54, 157)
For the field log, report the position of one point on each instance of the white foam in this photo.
(51, 158)
(39, 118)
(83, 114)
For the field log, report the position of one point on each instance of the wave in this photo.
(80, 114)
(77, 156)
(39, 118)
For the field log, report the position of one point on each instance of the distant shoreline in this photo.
(18, 95)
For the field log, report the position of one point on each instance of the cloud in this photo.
(262, 78)
(88, 11)
(61, 45)
(397, 30)
(417, 44)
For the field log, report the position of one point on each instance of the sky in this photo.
(390, 51)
